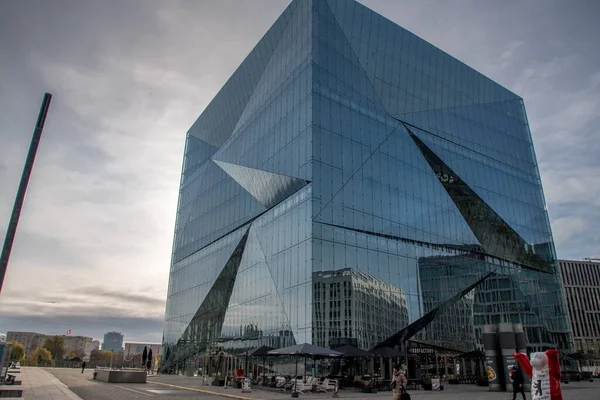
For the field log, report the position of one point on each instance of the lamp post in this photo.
(16, 212)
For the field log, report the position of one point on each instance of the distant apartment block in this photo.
(29, 340)
(132, 349)
(80, 345)
(95, 345)
(581, 280)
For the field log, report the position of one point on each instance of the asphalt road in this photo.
(88, 389)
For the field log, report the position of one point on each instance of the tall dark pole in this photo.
(16, 212)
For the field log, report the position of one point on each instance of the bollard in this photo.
(522, 348)
(492, 359)
(508, 347)
(246, 387)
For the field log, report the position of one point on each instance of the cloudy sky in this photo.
(129, 77)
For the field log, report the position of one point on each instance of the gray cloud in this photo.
(129, 78)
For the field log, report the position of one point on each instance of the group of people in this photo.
(399, 384)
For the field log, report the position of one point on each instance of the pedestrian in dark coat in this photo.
(518, 383)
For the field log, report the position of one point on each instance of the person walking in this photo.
(83, 367)
(518, 383)
(399, 383)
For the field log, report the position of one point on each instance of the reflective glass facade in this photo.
(347, 151)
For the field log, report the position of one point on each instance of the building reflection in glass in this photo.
(350, 307)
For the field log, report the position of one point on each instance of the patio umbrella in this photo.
(262, 351)
(353, 351)
(349, 351)
(304, 350)
(388, 352)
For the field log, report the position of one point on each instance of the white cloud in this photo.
(565, 228)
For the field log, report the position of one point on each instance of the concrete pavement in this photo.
(44, 384)
(39, 384)
(573, 391)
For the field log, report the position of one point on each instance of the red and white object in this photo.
(544, 371)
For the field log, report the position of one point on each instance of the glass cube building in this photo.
(349, 178)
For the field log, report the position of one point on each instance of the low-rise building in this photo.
(132, 349)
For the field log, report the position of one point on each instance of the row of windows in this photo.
(584, 310)
(579, 273)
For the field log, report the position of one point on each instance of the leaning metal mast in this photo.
(16, 212)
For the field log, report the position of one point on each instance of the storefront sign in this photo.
(421, 350)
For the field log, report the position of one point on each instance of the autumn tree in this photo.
(75, 354)
(105, 355)
(40, 356)
(18, 352)
(56, 346)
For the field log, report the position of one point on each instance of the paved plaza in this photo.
(71, 384)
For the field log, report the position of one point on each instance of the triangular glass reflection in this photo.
(266, 187)
(494, 234)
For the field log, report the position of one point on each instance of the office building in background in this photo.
(344, 143)
(113, 341)
(581, 280)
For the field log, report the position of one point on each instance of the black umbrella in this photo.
(353, 351)
(262, 351)
(305, 350)
(144, 356)
(149, 365)
(388, 352)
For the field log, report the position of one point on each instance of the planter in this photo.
(121, 376)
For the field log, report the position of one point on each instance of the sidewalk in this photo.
(39, 384)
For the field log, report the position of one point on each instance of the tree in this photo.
(40, 356)
(105, 355)
(18, 352)
(56, 346)
(78, 354)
